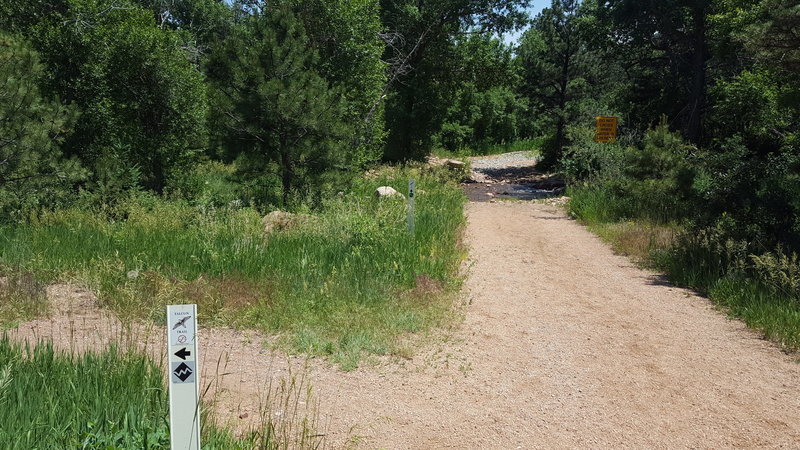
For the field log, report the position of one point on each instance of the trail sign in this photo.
(606, 129)
(184, 377)
(412, 192)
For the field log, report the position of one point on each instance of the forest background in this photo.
(284, 104)
(143, 142)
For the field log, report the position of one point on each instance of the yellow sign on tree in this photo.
(606, 130)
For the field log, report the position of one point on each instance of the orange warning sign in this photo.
(606, 130)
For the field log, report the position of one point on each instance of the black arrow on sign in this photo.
(183, 353)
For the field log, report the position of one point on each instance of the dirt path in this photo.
(568, 345)
(564, 344)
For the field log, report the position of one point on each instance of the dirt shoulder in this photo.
(564, 344)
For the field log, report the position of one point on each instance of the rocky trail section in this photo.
(564, 344)
(511, 176)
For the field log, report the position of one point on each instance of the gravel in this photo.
(513, 159)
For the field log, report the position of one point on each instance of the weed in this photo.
(22, 296)
(117, 399)
(336, 286)
(761, 289)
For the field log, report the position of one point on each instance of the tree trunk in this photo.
(287, 171)
(697, 98)
(562, 100)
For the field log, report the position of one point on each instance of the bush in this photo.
(585, 159)
(651, 181)
(454, 136)
(33, 172)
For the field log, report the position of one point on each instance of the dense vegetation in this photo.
(708, 94)
(345, 281)
(115, 399)
(142, 141)
(122, 121)
(104, 97)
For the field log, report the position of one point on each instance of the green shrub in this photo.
(54, 400)
(585, 159)
(595, 203)
(348, 271)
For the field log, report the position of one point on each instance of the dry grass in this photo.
(22, 296)
(636, 240)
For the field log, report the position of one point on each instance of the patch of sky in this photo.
(535, 7)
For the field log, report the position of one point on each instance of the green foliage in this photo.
(347, 36)
(749, 106)
(779, 271)
(33, 172)
(210, 184)
(143, 103)
(200, 22)
(760, 309)
(53, 400)
(485, 108)
(558, 72)
(22, 296)
(281, 115)
(344, 282)
(117, 399)
(774, 38)
(427, 65)
(587, 160)
(652, 180)
(663, 47)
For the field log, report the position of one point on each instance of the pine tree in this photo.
(556, 62)
(279, 111)
(31, 164)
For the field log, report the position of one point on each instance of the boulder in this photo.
(455, 164)
(387, 192)
(478, 177)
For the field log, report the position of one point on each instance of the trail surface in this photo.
(567, 345)
(564, 344)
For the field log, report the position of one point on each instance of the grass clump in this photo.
(22, 296)
(341, 283)
(54, 400)
(760, 287)
(117, 399)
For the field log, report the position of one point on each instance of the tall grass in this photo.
(117, 399)
(702, 260)
(52, 400)
(340, 284)
(22, 296)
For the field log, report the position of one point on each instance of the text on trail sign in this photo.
(605, 129)
(181, 327)
(184, 377)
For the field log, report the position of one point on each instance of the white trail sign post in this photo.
(412, 188)
(184, 377)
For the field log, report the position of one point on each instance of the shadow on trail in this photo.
(512, 182)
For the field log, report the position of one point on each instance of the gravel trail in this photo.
(564, 345)
(503, 160)
(567, 345)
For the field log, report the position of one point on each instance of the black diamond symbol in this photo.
(182, 372)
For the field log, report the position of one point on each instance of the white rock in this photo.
(387, 192)
(455, 164)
